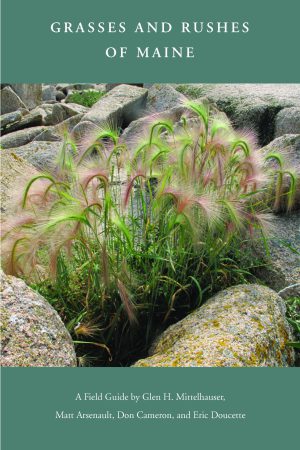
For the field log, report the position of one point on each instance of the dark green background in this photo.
(269, 53)
(270, 397)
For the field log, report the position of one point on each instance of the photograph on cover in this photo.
(150, 225)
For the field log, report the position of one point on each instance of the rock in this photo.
(49, 134)
(70, 123)
(110, 86)
(72, 109)
(287, 121)
(41, 155)
(49, 92)
(32, 333)
(283, 268)
(55, 133)
(13, 169)
(82, 128)
(139, 128)
(162, 97)
(33, 119)
(59, 113)
(253, 106)
(289, 146)
(67, 87)
(21, 137)
(100, 87)
(69, 95)
(10, 118)
(49, 102)
(51, 114)
(60, 96)
(244, 325)
(29, 93)
(10, 101)
(64, 87)
(120, 106)
(83, 86)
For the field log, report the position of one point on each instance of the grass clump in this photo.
(293, 317)
(125, 238)
(85, 98)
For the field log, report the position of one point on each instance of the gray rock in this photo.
(72, 109)
(289, 146)
(100, 87)
(33, 119)
(120, 106)
(83, 86)
(68, 95)
(32, 333)
(52, 114)
(253, 106)
(139, 128)
(55, 133)
(162, 97)
(10, 101)
(64, 87)
(49, 102)
(109, 86)
(283, 264)
(82, 128)
(21, 137)
(49, 92)
(244, 325)
(49, 134)
(70, 123)
(10, 118)
(30, 94)
(13, 172)
(58, 113)
(41, 155)
(60, 96)
(67, 87)
(287, 121)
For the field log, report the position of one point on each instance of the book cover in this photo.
(150, 227)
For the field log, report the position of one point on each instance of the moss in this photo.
(223, 342)
(4, 323)
(252, 360)
(227, 307)
(219, 364)
(261, 354)
(191, 91)
(258, 323)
